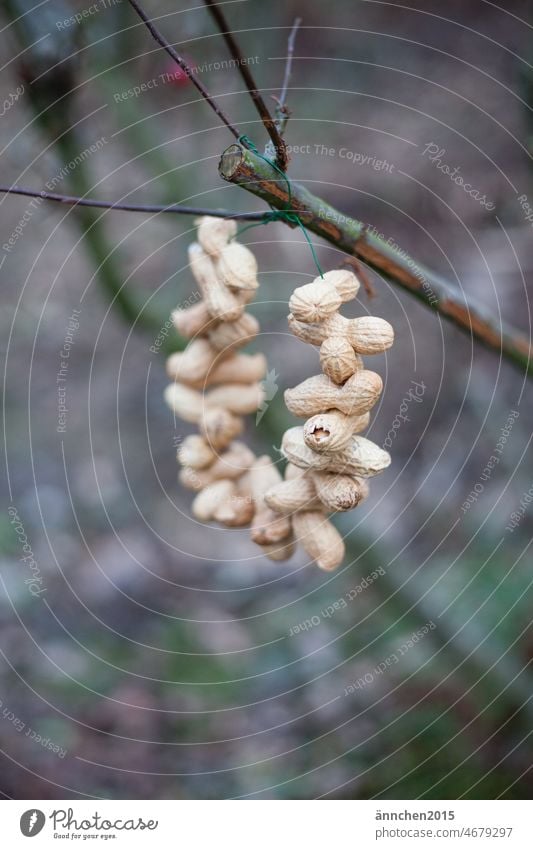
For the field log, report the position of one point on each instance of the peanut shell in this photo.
(344, 281)
(319, 393)
(237, 267)
(220, 302)
(338, 359)
(367, 335)
(214, 233)
(329, 432)
(233, 334)
(208, 500)
(291, 495)
(267, 526)
(360, 457)
(314, 301)
(319, 538)
(192, 364)
(238, 398)
(196, 452)
(230, 465)
(193, 321)
(339, 493)
(219, 427)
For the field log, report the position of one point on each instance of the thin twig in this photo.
(280, 147)
(69, 200)
(159, 37)
(243, 168)
(282, 111)
(288, 66)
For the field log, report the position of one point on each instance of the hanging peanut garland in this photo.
(215, 385)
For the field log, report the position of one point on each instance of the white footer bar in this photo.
(267, 824)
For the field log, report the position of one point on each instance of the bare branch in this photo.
(242, 167)
(69, 200)
(282, 111)
(288, 67)
(159, 37)
(280, 147)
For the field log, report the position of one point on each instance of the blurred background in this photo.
(141, 654)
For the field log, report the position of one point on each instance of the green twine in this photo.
(286, 214)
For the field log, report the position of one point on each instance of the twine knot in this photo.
(288, 214)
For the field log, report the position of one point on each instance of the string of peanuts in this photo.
(215, 385)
